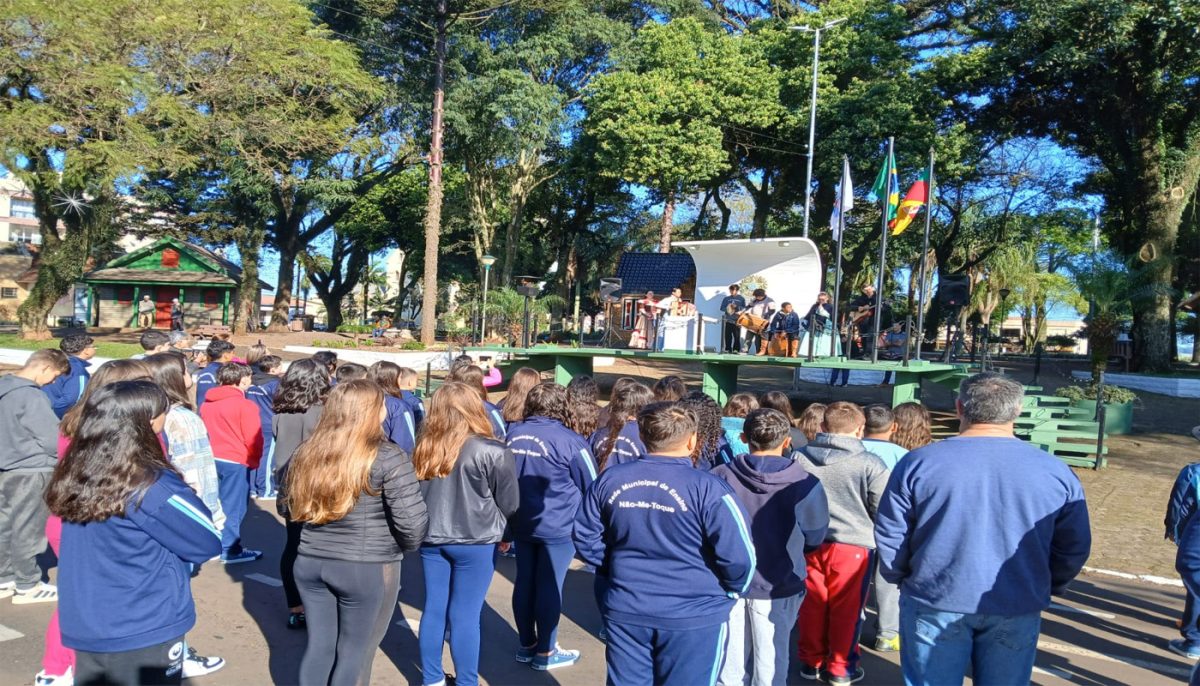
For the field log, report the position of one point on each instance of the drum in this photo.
(778, 346)
(752, 323)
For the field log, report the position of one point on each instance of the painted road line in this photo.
(1054, 672)
(7, 634)
(1079, 610)
(1148, 578)
(1160, 667)
(264, 579)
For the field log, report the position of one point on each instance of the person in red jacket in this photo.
(235, 433)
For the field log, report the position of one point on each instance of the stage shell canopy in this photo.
(790, 268)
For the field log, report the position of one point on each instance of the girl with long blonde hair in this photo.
(357, 499)
(469, 481)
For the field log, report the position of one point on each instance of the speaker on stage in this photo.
(954, 291)
(610, 289)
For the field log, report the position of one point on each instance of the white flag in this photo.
(844, 201)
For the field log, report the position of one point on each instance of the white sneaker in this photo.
(42, 593)
(197, 665)
(6, 590)
(44, 679)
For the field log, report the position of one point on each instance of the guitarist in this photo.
(861, 320)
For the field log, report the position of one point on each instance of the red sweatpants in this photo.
(831, 615)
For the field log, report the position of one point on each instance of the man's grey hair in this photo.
(990, 398)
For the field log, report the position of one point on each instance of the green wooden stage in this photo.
(721, 371)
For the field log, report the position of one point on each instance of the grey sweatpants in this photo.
(22, 526)
(770, 624)
(887, 597)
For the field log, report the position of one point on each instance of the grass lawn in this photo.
(103, 349)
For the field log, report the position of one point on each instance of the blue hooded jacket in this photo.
(124, 583)
(399, 426)
(499, 426)
(414, 405)
(673, 543)
(733, 427)
(206, 380)
(627, 447)
(554, 468)
(66, 390)
(263, 396)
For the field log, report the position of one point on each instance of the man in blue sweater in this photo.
(674, 545)
(789, 515)
(978, 531)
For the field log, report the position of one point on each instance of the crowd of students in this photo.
(713, 533)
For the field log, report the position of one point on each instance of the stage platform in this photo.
(721, 370)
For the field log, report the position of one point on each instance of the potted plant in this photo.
(1118, 405)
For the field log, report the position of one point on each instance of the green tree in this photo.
(1119, 82)
(659, 119)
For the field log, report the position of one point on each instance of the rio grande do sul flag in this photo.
(917, 197)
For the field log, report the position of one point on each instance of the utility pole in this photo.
(812, 110)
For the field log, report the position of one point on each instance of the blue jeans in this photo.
(233, 489)
(456, 583)
(937, 647)
(537, 591)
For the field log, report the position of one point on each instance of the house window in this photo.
(628, 313)
(211, 298)
(170, 258)
(124, 295)
(21, 209)
(8, 293)
(24, 234)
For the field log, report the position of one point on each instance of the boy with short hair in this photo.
(28, 454)
(659, 513)
(837, 583)
(788, 517)
(235, 433)
(66, 390)
(787, 323)
(264, 382)
(877, 439)
(219, 353)
(153, 341)
(408, 393)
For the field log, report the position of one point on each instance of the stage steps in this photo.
(1050, 423)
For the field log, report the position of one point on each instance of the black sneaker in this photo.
(810, 673)
(296, 620)
(846, 678)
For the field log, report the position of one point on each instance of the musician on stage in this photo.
(761, 307)
(731, 334)
(786, 324)
(673, 303)
(862, 321)
(643, 325)
(819, 314)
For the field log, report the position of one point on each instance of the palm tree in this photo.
(1109, 290)
(509, 306)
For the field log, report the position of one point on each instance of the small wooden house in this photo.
(205, 283)
(653, 271)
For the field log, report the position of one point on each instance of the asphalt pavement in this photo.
(1105, 631)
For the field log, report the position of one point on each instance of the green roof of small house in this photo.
(187, 265)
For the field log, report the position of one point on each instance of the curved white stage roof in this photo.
(789, 267)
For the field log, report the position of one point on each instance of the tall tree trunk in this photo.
(512, 236)
(283, 290)
(668, 222)
(249, 300)
(433, 209)
(1196, 338)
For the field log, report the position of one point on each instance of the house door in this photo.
(162, 309)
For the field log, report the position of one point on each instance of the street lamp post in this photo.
(812, 110)
(487, 261)
(1004, 293)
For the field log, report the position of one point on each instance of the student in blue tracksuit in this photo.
(219, 353)
(67, 389)
(675, 546)
(131, 526)
(264, 383)
(473, 377)
(619, 442)
(399, 426)
(1183, 529)
(554, 468)
(408, 393)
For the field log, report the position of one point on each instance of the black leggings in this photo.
(348, 606)
(287, 563)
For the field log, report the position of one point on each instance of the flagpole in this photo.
(834, 329)
(925, 258)
(879, 279)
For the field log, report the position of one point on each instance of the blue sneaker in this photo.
(246, 555)
(1180, 646)
(525, 655)
(559, 658)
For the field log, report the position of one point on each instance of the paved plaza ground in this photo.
(1107, 630)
